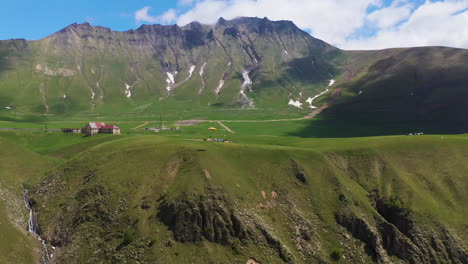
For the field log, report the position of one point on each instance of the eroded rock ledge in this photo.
(393, 232)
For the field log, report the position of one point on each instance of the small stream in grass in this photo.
(33, 228)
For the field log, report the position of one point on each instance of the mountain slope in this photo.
(215, 71)
(421, 87)
(84, 68)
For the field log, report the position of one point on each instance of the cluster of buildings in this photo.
(160, 128)
(415, 134)
(94, 128)
(217, 140)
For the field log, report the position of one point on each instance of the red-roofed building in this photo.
(101, 128)
(110, 129)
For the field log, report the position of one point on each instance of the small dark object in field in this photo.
(201, 149)
(336, 254)
(300, 176)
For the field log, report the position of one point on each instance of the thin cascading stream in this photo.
(33, 228)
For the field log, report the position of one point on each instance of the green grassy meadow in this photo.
(427, 173)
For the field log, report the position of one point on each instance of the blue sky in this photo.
(347, 24)
(33, 19)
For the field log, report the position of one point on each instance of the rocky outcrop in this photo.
(193, 218)
(362, 230)
(298, 172)
(41, 68)
(393, 232)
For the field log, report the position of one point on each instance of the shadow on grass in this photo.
(335, 128)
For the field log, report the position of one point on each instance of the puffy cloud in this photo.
(431, 24)
(341, 22)
(388, 17)
(142, 15)
(167, 17)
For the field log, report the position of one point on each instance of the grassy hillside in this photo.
(403, 90)
(18, 166)
(151, 199)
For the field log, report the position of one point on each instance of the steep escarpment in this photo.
(392, 229)
(394, 232)
(192, 219)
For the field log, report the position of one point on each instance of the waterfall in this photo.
(33, 228)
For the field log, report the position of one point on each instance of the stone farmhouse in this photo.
(100, 128)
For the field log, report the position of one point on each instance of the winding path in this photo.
(225, 127)
(144, 124)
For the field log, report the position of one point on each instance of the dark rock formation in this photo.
(394, 232)
(193, 218)
(298, 172)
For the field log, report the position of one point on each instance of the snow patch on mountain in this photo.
(202, 69)
(247, 80)
(170, 81)
(128, 91)
(311, 99)
(192, 68)
(220, 86)
(223, 79)
(247, 84)
(171, 77)
(297, 103)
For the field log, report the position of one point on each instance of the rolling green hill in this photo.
(153, 199)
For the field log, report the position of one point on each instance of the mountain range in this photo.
(271, 193)
(244, 63)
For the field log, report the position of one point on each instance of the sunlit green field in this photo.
(426, 172)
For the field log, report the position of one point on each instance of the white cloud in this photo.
(388, 17)
(143, 16)
(431, 24)
(340, 22)
(168, 17)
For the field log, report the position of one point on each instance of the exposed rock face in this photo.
(84, 221)
(395, 233)
(363, 231)
(59, 72)
(194, 218)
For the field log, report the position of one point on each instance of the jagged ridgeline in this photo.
(241, 63)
